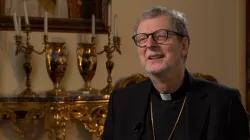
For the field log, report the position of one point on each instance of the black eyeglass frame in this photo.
(152, 34)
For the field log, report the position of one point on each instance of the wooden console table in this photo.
(89, 109)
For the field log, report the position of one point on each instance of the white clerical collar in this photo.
(165, 97)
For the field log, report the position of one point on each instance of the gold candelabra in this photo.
(109, 49)
(27, 49)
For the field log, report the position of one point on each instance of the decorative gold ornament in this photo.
(27, 49)
(56, 63)
(89, 110)
(55, 120)
(92, 116)
(109, 49)
(87, 63)
(9, 114)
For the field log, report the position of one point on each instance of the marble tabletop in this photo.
(72, 96)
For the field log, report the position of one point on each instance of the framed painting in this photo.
(64, 15)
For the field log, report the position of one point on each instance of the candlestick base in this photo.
(107, 90)
(28, 92)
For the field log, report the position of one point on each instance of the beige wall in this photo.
(217, 29)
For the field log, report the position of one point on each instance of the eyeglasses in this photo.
(159, 36)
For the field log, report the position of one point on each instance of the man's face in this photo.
(156, 57)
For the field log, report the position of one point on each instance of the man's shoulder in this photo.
(135, 90)
(216, 89)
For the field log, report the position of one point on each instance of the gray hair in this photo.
(179, 20)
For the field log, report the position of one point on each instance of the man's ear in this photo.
(184, 46)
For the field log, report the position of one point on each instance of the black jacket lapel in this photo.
(143, 93)
(197, 108)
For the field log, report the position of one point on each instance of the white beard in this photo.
(166, 67)
(150, 70)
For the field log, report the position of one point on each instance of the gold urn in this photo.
(87, 63)
(56, 63)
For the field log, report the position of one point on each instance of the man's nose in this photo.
(150, 42)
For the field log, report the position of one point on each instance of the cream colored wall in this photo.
(217, 31)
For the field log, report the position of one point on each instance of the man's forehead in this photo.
(153, 24)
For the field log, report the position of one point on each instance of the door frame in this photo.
(247, 56)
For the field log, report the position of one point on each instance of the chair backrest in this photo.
(137, 78)
(205, 77)
(130, 80)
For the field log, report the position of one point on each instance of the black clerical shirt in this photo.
(165, 114)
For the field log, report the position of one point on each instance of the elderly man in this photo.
(172, 104)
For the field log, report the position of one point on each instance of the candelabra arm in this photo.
(27, 49)
(23, 49)
(109, 49)
(37, 52)
(19, 45)
(101, 52)
(112, 49)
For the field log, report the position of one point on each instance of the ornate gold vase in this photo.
(56, 63)
(87, 63)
